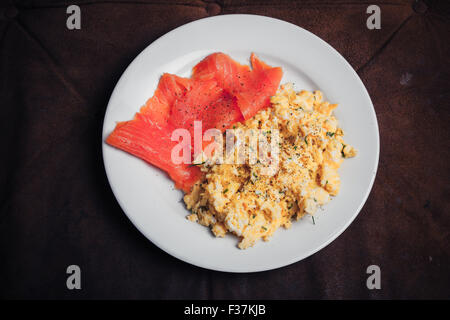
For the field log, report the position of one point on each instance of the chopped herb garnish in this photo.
(197, 164)
(330, 134)
(264, 228)
(314, 221)
(225, 191)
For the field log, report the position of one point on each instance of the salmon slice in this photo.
(219, 93)
(206, 102)
(144, 139)
(263, 83)
(170, 88)
(251, 87)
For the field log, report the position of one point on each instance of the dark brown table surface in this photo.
(57, 208)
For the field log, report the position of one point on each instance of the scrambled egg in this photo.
(237, 198)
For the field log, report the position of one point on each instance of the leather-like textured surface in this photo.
(56, 205)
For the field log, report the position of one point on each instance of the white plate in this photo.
(148, 197)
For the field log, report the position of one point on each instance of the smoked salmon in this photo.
(220, 92)
(252, 88)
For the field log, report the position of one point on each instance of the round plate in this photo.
(147, 195)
